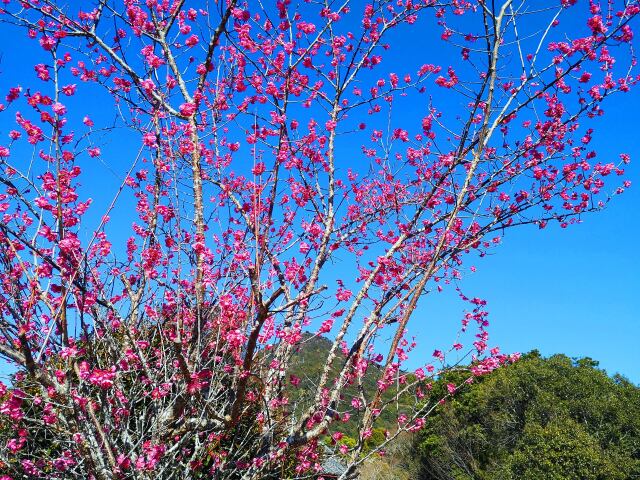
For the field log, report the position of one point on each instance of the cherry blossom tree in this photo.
(279, 182)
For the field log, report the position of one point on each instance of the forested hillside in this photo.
(554, 418)
(308, 368)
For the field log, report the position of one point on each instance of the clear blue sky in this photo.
(572, 291)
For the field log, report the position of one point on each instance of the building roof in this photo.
(331, 465)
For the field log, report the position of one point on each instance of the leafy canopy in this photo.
(553, 418)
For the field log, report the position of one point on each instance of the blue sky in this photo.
(575, 290)
(572, 291)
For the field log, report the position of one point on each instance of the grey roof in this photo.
(333, 466)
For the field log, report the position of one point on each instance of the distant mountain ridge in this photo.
(308, 365)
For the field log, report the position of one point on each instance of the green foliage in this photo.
(309, 364)
(539, 418)
(560, 450)
(377, 438)
(398, 462)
